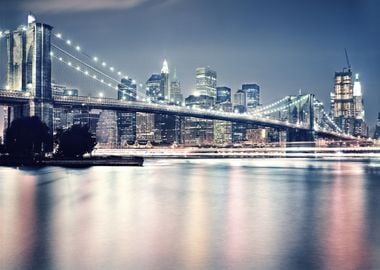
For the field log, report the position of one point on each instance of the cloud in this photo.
(55, 6)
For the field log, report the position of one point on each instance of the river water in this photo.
(193, 214)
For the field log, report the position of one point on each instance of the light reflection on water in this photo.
(193, 214)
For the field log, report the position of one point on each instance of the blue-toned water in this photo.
(193, 214)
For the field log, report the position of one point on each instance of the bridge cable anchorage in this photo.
(94, 59)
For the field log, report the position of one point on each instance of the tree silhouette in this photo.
(26, 137)
(75, 142)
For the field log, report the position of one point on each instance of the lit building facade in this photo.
(165, 83)
(252, 95)
(206, 82)
(223, 94)
(106, 130)
(175, 90)
(377, 129)
(126, 121)
(347, 106)
(199, 131)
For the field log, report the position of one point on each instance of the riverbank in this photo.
(74, 163)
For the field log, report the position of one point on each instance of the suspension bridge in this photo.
(29, 92)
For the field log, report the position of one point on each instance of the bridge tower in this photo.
(29, 69)
(297, 135)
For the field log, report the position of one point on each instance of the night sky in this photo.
(282, 45)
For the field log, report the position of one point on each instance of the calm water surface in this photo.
(193, 214)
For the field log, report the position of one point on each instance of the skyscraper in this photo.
(347, 104)
(223, 94)
(252, 94)
(165, 83)
(206, 82)
(175, 90)
(377, 130)
(240, 101)
(126, 121)
(153, 88)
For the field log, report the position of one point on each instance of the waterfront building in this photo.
(252, 96)
(223, 129)
(87, 118)
(223, 94)
(126, 121)
(145, 127)
(199, 131)
(205, 82)
(106, 130)
(377, 129)
(239, 130)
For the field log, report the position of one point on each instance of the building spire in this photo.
(165, 68)
(31, 18)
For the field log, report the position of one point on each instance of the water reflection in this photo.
(200, 214)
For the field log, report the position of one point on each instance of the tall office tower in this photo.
(126, 121)
(223, 129)
(175, 90)
(347, 104)
(223, 94)
(165, 83)
(199, 131)
(252, 94)
(106, 130)
(153, 88)
(377, 130)
(146, 121)
(240, 101)
(205, 82)
(29, 67)
(358, 99)
(342, 105)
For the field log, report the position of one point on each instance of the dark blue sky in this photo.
(282, 45)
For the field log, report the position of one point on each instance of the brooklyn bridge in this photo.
(29, 90)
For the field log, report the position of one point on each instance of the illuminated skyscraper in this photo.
(126, 121)
(377, 130)
(223, 94)
(153, 88)
(175, 90)
(252, 95)
(165, 83)
(347, 104)
(206, 82)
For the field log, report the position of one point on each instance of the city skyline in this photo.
(243, 47)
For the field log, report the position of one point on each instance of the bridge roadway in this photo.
(81, 102)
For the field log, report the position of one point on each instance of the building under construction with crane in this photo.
(347, 108)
